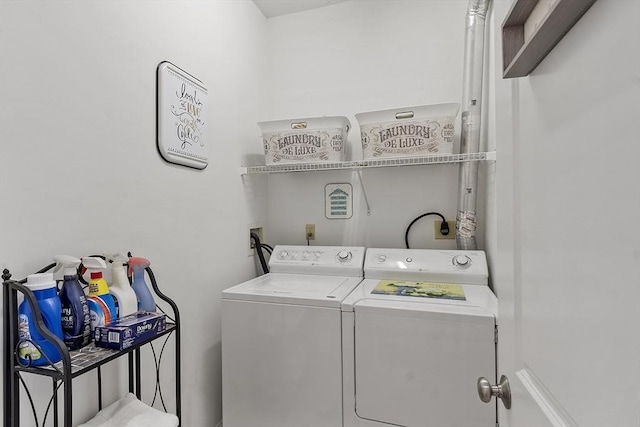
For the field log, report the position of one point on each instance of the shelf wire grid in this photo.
(370, 163)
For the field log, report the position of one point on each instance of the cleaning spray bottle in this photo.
(145, 299)
(125, 296)
(102, 305)
(76, 318)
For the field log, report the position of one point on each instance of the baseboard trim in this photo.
(555, 413)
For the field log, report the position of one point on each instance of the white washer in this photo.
(414, 361)
(281, 339)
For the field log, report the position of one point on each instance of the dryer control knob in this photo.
(462, 261)
(283, 254)
(344, 255)
(382, 258)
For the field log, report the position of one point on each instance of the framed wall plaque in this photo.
(181, 117)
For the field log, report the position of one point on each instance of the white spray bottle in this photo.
(125, 296)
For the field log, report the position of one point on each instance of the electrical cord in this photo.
(258, 247)
(444, 226)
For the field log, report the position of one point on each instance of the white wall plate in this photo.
(181, 115)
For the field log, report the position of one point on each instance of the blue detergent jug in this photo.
(44, 289)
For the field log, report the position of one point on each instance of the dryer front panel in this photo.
(418, 368)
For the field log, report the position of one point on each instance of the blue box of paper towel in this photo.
(130, 330)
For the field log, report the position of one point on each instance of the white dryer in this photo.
(417, 334)
(281, 339)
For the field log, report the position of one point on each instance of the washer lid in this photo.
(477, 299)
(300, 289)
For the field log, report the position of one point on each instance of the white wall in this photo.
(354, 57)
(80, 172)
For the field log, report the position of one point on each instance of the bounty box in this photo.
(407, 132)
(317, 139)
(130, 330)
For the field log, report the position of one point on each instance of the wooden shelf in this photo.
(531, 30)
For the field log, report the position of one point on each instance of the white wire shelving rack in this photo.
(369, 164)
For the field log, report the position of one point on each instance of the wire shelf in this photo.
(90, 357)
(371, 163)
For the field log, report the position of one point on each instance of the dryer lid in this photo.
(300, 289)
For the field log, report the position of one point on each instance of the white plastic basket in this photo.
(308, 140)
(409, 131)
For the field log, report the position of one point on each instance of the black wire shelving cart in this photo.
(74, 363)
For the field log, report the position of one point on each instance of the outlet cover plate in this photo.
(452, 230)
(260, 232)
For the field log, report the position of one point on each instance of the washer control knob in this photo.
(317, 254)
(283, 254)
(409, 259)
(382, 258)
(305, 254)
(344, 256)
(461, 261)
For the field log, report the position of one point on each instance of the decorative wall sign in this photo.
(338, 201)
(181, 117)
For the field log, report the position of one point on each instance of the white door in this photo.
(566, 256)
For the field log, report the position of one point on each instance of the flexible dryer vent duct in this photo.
(471, 118)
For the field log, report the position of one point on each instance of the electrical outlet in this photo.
(310, 231)
(438, 235)
(259, 232)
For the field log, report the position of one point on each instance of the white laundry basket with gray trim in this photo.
(409, 131)
(307, 140)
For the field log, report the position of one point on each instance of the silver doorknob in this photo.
(486, 391)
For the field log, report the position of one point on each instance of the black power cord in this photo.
(258, 247)
(444, 226)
